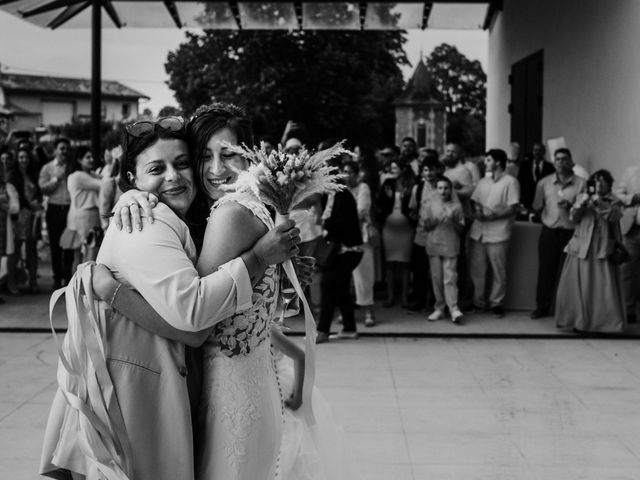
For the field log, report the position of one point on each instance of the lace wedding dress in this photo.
(241, 410)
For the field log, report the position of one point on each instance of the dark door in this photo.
(526, 101)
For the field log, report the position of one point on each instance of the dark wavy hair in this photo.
(134, 146)
(207, 120)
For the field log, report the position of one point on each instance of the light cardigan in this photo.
(148, 372)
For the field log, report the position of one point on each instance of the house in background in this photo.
(30, 101)
(567, 69)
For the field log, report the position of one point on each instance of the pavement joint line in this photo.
(479, 335)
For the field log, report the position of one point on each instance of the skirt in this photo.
(590, 297)
(84, 221)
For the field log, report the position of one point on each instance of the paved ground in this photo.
(422, 409)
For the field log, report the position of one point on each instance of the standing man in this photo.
(495, 202)
(409, 155)
(463, 185)
(555, 194)
(53, 183)
(629, 193)
(531, 172)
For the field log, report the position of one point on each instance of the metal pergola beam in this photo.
(68, 14)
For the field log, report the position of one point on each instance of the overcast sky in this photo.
(136, 57)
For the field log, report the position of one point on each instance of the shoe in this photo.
(389, 303)
(538, 313)
(13, 291)
(416, 307)
(342, 335)
(436, 315)
(457, 316)
(369, 320)
(322, 338)
(498, 311)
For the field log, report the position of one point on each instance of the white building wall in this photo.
(591, 75)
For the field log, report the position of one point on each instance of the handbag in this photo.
(619, 254)
(326, 252)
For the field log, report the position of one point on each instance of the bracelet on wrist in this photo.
(113, 296)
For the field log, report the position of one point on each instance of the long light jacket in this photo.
(603, 218)
(148, 372)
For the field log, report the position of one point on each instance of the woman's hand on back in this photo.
(129, 208)
(278, 244)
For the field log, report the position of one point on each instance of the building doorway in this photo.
(526, 101)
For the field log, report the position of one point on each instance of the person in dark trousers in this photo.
(53, 183)
(341, 225)
(555, 195)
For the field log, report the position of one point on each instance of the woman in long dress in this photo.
(148, 371)
(589, 297)
(397, 230)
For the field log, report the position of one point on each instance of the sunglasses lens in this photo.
(172, 124)
(140, 129)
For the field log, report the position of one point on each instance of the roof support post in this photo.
(96, 78)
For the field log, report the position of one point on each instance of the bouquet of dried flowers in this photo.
(283, 180)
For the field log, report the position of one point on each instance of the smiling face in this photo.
(444, 190)
(86, 162)
(23, 160)
(165, 170)
(220, 166)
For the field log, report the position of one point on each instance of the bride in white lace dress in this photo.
(241, 407)
(240, 413)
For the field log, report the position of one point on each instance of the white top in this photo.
(158, 262)
(495, 195)
(83, 190)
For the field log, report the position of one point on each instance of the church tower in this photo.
(420, 111)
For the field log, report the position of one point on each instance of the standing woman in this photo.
(84, 216)
(341, 225)
(364, 273)
(590, 297)
(393, 201)
(29, 219)
(9, 206)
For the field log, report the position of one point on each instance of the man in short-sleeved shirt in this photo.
(555, 194)
(495, 202)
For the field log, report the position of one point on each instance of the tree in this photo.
(337, 84)
(169, 111)
(462, 83)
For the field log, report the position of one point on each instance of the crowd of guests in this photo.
(436, 232)
(63, 200)
(424, 230)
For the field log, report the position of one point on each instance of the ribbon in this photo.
(309, 339)
(85, 383)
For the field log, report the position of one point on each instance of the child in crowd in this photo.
(444, 220)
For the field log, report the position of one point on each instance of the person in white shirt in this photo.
(495, 202)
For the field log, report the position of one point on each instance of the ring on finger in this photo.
(132, 204)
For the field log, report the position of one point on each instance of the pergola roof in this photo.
(255, 15)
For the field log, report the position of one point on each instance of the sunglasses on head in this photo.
(166, 124)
